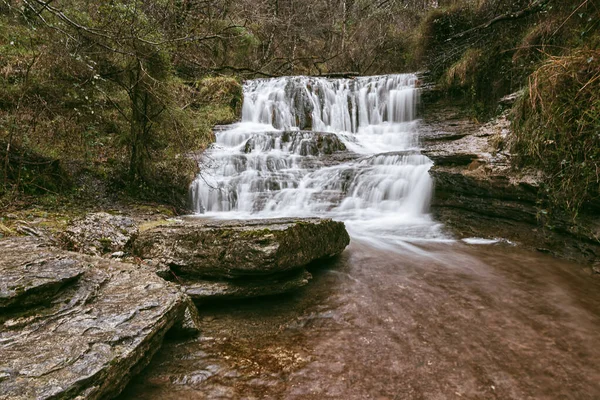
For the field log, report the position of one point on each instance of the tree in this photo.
(130, 44)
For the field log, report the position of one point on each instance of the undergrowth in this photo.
(557, 127)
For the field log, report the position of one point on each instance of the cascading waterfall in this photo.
(340, 148)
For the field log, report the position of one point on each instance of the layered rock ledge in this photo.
(304, 143)
(75, 326)
(479, 193)
(237, 259)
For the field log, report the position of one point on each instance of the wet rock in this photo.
(479, 193)
(246, 288)
(304, 143)
(190, 324)
(228, 249)
(98, 233)
(303, 109)
(450, 159)
(495, 195)
(26, 284)
(475, 186)
(87, 339)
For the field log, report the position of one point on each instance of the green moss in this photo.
(106, 243)
(253, 233)
(146, 226)
(220, 90)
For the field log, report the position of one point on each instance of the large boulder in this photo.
(228, 249)
(225, 260)
(98, 233)
(77, 326)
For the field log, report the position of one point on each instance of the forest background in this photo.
(118, 98)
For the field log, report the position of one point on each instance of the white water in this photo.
(380, 186)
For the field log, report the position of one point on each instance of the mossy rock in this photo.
(200, 248)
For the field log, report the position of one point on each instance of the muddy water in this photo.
(441, 321)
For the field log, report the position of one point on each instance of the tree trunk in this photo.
(136, 125)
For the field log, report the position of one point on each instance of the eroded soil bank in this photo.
(435, 322)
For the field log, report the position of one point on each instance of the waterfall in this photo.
(341, 148)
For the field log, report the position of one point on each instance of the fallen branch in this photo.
(340, 74)
(536, 6)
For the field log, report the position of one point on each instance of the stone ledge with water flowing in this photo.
(303, 143)
(346, 149)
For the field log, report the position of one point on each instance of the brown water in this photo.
(451, 321)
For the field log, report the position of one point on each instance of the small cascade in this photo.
(330, 105)
(340, 148)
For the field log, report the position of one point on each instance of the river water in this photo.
(405, 312)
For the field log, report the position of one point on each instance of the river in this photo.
(453, 321)
(407, 311)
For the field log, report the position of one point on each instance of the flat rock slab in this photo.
(88, 340)
(244, 288)
(198, 248)
(28, 282)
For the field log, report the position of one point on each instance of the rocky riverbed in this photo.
(77, 325)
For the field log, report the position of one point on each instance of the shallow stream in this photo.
(449, 321)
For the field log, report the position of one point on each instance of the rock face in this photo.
(98, 233)
(479, 193)
(472, 173)
(236, 259)
(87, 339)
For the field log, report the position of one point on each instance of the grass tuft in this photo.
(557, 127)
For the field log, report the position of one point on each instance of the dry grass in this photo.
(558, 127)
(462, 72)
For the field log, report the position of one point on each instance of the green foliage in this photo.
(480, 52)
(220, 90)
(558, 128)
(99, 93)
